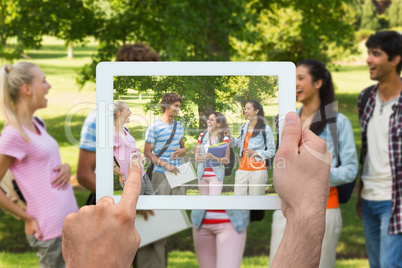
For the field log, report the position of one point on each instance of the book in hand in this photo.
(185, 175)
(217, 150)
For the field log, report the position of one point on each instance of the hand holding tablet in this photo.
(90, 238)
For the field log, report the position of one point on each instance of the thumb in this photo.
(291, 134)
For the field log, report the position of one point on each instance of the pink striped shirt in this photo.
(123, 147)
(33, 170)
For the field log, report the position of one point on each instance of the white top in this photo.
(377, 176)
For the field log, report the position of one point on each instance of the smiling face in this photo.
(380, 66)
(174, 109)
(306, 89)
(250, 112)
(212, 123)
(40, 87)
(126, 113)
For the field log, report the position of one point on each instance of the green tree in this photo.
(22, 21)
(211, 30)
(303, 29)
(27, 21)
(395, 13)
(370, 19)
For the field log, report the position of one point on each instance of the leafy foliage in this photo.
(370, 19)
(297, 30)
(28, 20)
(395, 13)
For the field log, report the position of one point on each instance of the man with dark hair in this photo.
(379, 201)
(158, 133)
(136, 52)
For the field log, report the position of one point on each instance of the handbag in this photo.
(165, 147)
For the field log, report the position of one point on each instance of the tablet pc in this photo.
(284, 101)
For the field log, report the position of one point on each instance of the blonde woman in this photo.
(124, 146)
(34, 159)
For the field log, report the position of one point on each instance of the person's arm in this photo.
(348, 169)
(86, 169)
(62, 180)
(178, 153)
(148, 148)
(261, 154)
(301, 179)
(104, 235)
(31, 226)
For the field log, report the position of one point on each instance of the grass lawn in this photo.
(66, 97)
(177, 259)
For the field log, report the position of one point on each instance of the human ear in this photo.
(26, 90)
(318, 84)
(396, 60)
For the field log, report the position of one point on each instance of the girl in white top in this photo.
(34, 159)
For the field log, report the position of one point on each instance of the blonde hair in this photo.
(117, 107)
(12, 78)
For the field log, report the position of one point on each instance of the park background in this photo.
(68, 38)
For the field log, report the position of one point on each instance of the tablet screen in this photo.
(216, 159)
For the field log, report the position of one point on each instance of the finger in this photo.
(105, 201)
(291, 135)
(315, 146)
(132, 188)
(57, 168)
(38, 233)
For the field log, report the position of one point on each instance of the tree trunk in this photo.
(218, 51)
(70, 52)
(204, 111)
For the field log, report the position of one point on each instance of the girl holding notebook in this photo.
(211, 169)
(219, 235)
(256, 144)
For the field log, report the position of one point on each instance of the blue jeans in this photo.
(383, 250)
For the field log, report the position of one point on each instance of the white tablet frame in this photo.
(105, 71)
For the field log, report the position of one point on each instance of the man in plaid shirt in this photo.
(379, 201)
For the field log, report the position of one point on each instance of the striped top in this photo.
(33, 169)
(215, 217)
(158, 134)
(208, 172)
(88, 133)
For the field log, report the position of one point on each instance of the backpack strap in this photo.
(166, 146)
(202, 137)
(365, 97)
(264, 134)
(39, 121)
(333, 128)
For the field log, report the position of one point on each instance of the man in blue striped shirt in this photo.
(158, 133)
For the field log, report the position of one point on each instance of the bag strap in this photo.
(241, 134)
(264, 134)
(166, 146)
(365, 97)
(333, 128)
(39, 121)
(202, 138)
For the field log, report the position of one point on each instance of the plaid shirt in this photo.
(395, 153)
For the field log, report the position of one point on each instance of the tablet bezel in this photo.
(105, 71)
